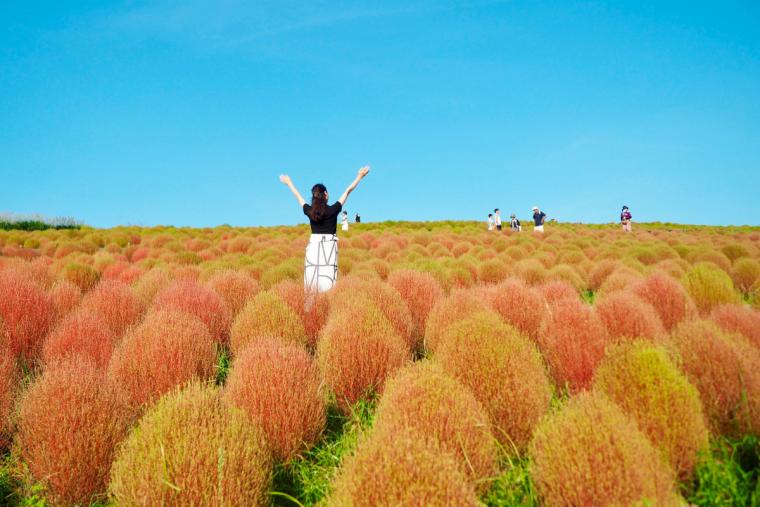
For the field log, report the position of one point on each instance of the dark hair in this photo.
(497, 209)
(318, 202)
(490, 214)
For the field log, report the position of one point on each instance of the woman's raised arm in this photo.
(286, 179)
(359, 176)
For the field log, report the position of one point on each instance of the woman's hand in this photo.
(363, 171)
(285, 179)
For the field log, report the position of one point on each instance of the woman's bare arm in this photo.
(286, 180)
(359, 176)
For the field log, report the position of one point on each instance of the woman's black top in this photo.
(329, 222)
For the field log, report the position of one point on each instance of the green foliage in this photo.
(514, 487)
(34, 225)
(728, 475)
(222, 366)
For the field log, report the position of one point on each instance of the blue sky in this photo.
(185, 113)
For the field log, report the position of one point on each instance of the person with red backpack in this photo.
(625, 219)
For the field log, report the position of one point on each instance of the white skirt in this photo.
(321, 263)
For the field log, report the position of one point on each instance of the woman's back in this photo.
(328, 222)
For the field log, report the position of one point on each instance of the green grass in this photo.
(728, 474)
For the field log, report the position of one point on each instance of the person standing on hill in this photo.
(625, 219)
(344, 221)
(515, 224)
(321, 260)
(539, 218)
(497, 218)
(490, 221)
(357, 218)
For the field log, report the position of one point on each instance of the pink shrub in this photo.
(519, 305)
(311, 308)
(420, 291)
(64, 296)
(169, 348)
(235, 287)
(739, 319)
(627, 317)
(558, 290)
(115, 303)
(459, 305)
(9, 384)
(82, 334)
(279, 386)
(189, 296)
(26, 312)
(266, 316)
(667, 297)
(573, 341)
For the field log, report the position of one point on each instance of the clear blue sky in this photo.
(185, 113)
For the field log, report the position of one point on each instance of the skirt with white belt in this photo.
(321, 263)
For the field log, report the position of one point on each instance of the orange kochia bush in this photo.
(167, 349)
(739, 319)
(460, 304)
(70, 421)
(26, 312)
(311, 307)
(116, 304)
(520, 306)
(420, 291)
(628, 317)
(667, 297)
(279, 386)
(357, 350)
(9, 383)
(81, 334)
(235, 287)
(190, 296)
(266, 315)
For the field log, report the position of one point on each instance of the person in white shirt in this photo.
(344, 221)
(490, 221)
(539, 218)
(497, 219)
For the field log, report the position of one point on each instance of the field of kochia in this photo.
(448, 366)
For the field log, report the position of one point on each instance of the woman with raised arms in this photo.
(321, 262)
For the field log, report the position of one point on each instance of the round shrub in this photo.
(279, 386)
(26, 311)
(64, 296)
(739, 319)
(169, 348)
(519, 305)
(667, 297)
(83, 276)
(709, 286)
(70, 421)
(115, 303)
(357, 350)
(403, 470)
(81, 334)
(712, 363)
(420, 291)
(492, 271)
(192, 449)
(642, 380)
(745, 273)
(503, 369)
(150, 284)
(9, 383)
(573, 341)
(235, 287)
(311, 307)
(189, 296)
(458, 305)
(384, 296)
(558, 290)
(591, 453)
(266, 315)
(626, 317)
(423, 400)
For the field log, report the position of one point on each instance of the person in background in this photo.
(497, 219)
(515, 224)
(490, 221)
(357, 218)
(539, 218)
(625, 219)
(344, 221)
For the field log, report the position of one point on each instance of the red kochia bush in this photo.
(82, 334)
(558, 290)
(64, 296)
(519, 305)
(504, 370)
(459, 305)
(573, 340)
(357, 350)
(167, 349)
(9, 380)
(667, 297)
(739, 319)
(713, 363)
(235, 287)
(591, 453)
(423, 400)
(69, 422)
(189, 296)
(312, 308)
(266, 315)
(627, 317)
(420, 291)
(403, 470)
(642, 380)
(26, 311)
(279, 386)
(386, 298)
(115, 303)
(192, 449)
